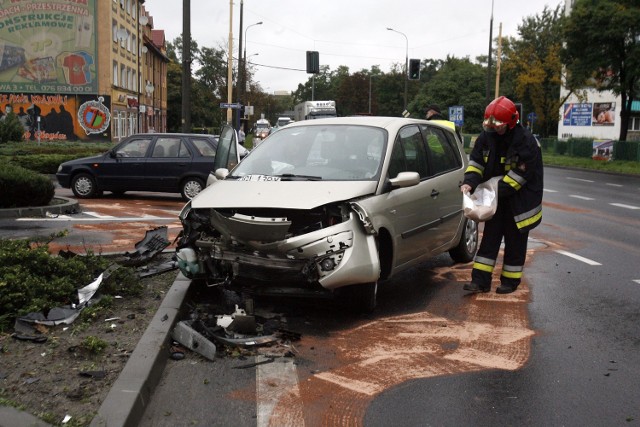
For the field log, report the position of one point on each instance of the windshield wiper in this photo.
(294, 177)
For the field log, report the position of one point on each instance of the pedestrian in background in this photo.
(434, 113)
(505, 148)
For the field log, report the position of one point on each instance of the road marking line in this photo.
(549, 190)
(580, 197)
(636, 281)
(620, 205)
(580, 179)
(274, 382)
(113, 219)
(366, 388)
(97, 215)
(578, 257)
(614, 185)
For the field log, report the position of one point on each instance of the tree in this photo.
(457, 82)
(602, 50)
(533, 67)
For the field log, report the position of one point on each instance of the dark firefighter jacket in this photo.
(517, 156)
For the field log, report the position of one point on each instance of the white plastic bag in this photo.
(482, 204)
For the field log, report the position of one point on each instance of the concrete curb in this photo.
(67, 206)
(129, 396)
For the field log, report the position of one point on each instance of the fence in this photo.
(584, 147)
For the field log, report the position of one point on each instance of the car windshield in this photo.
(330, 152)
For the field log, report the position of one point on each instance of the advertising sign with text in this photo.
(577, 114)
(48, 47)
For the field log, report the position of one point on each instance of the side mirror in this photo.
(405, 179)
(221, 173)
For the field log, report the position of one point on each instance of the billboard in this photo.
(49, 118)
(48, 47)
(577, 114)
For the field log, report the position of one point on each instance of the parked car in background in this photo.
(332, 204)
(160, 162)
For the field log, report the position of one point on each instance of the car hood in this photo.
(279, 194)
(84, 160)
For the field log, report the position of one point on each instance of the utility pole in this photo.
(186, 66)
(239, 80)
(488, 95)
(230, 64)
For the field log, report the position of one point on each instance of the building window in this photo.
(121, 4)
(129, 7)
(115, 73)
(634, 123)
(135, 81)
(123, 76)
(114, 29)
(130, 78)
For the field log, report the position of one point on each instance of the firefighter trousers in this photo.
(502, 225)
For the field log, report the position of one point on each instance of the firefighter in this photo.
(505, 148)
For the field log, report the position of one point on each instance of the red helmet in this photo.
(499, 114)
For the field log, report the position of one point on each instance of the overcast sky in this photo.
(352, 33)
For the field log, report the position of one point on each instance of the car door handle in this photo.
(435, 193)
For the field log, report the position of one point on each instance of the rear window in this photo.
(204, 147)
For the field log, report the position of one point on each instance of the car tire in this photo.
(361, 297)
(468, 244)
(191, 187)
(84, 186)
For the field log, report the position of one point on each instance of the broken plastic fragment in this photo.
(193, 340)
(154, 242)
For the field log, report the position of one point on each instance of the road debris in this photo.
(154, 242)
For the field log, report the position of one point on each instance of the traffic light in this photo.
(313, 62)
(414, 69)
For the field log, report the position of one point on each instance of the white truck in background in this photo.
(309, 110)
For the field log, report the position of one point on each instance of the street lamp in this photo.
(244, 66)
(406, 65)
(370, 76)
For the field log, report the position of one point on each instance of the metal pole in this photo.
(230, 63)
(369, 93)
(406, 65)
(244, 68)
(186, 66)
(487, 96)
(239, 76)
(498, 60)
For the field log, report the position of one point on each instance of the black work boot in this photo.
(505, 289)
(474, 287)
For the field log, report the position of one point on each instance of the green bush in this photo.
(580, 147)
(32, 280)
(548, 142)
(46, 157)
(21, 187)
(560, 147)
(626, 150)
(11, 130)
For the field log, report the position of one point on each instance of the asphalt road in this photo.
(562, 350)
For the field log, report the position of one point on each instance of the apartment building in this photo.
(90, 70)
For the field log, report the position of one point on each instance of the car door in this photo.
(170, 160)
(227, 152)
(126, 168)
(445, 177)
(411, 214)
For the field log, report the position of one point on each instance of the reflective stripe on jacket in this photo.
(523, 173)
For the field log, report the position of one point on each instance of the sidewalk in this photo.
(127, 399)
(62, 206)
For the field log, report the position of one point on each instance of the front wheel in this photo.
(191, 187)
(468, 244)
(84, 186)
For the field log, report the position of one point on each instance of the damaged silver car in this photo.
(332, 204)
